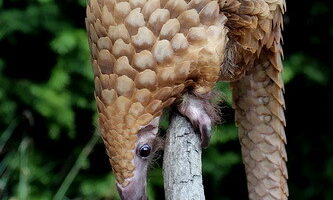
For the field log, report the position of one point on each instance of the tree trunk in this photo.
(182, 161)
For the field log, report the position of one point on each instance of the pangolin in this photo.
(149, 54)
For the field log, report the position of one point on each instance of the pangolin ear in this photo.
(155, 123)
(148, 134)
(152, 127)
(158, 142)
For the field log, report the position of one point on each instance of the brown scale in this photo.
(144, 54)
(255, 32)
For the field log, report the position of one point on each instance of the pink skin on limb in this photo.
(195, 108)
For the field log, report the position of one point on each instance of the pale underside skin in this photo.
(146, 54)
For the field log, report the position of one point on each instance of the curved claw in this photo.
(193, 108)
(205, 135)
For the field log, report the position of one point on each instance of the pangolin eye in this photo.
(144, 150)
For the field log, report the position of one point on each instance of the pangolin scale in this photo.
(147, 53)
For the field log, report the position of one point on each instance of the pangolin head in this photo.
(144, 55)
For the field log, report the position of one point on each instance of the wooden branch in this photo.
(182, 161)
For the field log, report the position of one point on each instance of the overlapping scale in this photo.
(144, 54)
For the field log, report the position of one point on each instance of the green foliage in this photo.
(99, 188)
(299, 64)
(48, 148)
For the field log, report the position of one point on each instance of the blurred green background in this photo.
(48, 149)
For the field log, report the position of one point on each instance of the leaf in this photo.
(4, 137)
(300, 64)
(23, 185)
(79, 163)
(64, 42)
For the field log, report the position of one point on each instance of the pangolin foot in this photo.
(195, 109)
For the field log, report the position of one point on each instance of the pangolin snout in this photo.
(132, 192)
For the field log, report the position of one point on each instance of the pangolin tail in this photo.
(259, 104)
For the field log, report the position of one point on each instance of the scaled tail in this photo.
(259, 104)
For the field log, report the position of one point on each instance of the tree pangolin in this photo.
(149, 54)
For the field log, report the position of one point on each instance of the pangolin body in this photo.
(144, 55)
(147, 53)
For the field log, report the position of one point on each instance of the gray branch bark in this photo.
(182, 162)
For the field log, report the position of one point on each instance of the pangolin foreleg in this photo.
(202, 111)
(259, 105)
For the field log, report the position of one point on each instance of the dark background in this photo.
(48, 148)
